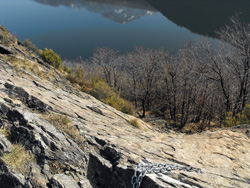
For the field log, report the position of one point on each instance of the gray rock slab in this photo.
(63, 181)
(5, 145)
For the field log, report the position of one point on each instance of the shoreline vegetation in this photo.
(195, 89)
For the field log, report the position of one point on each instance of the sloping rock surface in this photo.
(5, 145)
(63, 181)
(112, 146)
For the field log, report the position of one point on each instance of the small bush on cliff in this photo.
(6, 38)
(51, 57)
(67, 69)
(72, 79)
(100, 90)
(77, 79)
(28, 44)
(79, 73)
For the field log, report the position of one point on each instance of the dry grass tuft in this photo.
(135, 123)
(18, 159)
(28, 66)
(64, 124)
(4, 132)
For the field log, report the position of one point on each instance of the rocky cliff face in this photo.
(72, 140)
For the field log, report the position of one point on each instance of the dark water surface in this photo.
(75, 28)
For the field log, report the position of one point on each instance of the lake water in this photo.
(75, 28)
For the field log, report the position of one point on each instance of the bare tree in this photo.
(229, 68)
(237, 34)
(143, 65)
(108, 60)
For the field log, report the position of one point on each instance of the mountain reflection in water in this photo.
(202, 16)
(199, 16)
(121, 11)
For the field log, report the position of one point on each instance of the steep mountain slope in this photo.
(74, 140)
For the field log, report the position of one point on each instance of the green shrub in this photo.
(241, 118)
(72, 78)
(100, 90)
(127, 108)
(230, 120)
(79, 73)
(83, 84)
(51, 57)
(28, 44)
(76, 76)
(103, 92)
(247, 112)
(67, 69)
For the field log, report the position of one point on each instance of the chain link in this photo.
(142, 169)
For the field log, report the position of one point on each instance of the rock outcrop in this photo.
(107, 147)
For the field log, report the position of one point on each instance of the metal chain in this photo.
(143, 169)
